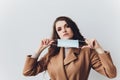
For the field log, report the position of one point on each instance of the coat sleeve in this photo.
(32, 67)
(103, 64)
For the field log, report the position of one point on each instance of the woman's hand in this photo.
(93, 43)
(44, 44)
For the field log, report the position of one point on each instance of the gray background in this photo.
(23, 23)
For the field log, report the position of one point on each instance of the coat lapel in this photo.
(60, 62)
(71, 56)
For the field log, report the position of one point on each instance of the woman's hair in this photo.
(77, 35)
(53, 50)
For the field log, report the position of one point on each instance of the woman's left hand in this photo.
(93, 43)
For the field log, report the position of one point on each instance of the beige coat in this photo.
(76, 65)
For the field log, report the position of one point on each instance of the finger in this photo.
(51, 42)
(42, 42)
(86, 41)
(90, 42)
(47, 41)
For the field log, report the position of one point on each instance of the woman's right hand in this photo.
(45, 43)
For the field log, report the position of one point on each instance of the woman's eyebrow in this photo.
(58, 27)
(66, 24)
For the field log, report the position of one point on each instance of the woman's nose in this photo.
(64, 29)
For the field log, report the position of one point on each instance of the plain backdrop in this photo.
(23, 23)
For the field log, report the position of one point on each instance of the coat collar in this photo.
(71, 55)
(60, 62)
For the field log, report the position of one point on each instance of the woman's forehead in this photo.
(60, 23)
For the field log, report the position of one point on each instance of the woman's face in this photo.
(63, 30)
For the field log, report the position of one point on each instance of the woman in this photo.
(66, 63)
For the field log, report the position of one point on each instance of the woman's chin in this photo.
(65, 38)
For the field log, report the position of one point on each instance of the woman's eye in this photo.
(59, 29)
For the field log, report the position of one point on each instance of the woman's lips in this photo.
(65, 34)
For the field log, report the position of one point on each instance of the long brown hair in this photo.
(53, 50)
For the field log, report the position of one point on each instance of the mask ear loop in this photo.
(55, 42)
(81, 41)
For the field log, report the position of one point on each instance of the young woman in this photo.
(67, 63)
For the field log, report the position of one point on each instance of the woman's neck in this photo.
(66, 51)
